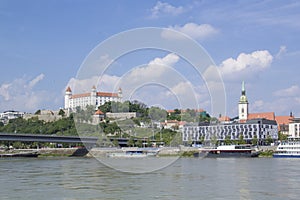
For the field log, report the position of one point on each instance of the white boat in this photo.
(231, 151)
(33, 154)
(288, 149)
(134, 153)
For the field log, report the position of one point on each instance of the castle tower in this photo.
(93, 96)
(68, 96)
(243, 105)
(120, 94)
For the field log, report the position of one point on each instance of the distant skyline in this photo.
(44, 43)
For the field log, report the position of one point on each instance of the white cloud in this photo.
(245, 64)
(165, 8)
(196, 31)
(168, 60)
(181, 88)
(257, 105)
(20, 95)
(292, 91)
(4, 91)
(153, 83)
(104, 83)
(282, 51)
(34, 81)
(155, 69)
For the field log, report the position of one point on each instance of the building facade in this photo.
(245, 127)
(260, 129)
(294, 128)
(10, 114)
(93, 98)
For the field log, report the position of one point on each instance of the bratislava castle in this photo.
(91, 98)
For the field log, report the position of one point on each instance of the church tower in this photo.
(243, 105)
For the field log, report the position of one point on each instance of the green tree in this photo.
(139, 143)
(157, 114)
(214, 140)
(282, 136)
(38, 112)
(115, 142)
(241, 139)
(254, 140)
(106, 107)
(131, 142)
(269, 140)
(202, 139)
(61, 112)
(227, 140)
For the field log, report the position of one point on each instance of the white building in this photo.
(10, 114)
(260, 129)
(249, 127)
(92, 98)
(294, 128)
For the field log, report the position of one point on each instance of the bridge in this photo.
(47, 138)
(90, 141)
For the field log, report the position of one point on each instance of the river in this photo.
(187, 178)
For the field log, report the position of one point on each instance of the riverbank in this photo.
(165, 151)
(266, 151)
(50, 151)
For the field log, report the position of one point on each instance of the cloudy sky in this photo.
(46, 45)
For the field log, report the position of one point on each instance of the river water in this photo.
(187, 178)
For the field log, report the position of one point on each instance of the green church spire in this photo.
(243, 88)
(243, 98)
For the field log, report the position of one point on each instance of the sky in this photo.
(46, 46)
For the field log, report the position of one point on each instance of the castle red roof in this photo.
(68, 89)
(101, 94)
(107, 94)
(80, 95)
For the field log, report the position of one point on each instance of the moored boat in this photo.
(20, 154)
(288, 149)
(232, 151)
(134, 153)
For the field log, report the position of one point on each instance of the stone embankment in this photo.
(63, 151)
(166, 151)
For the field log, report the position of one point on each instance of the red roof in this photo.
(283, 120)
(107, 94)
(224, 119)
(182, 122)
(101, 94)
(170, 111)
(68, 89)
(266, 115)
(99, 112)
(81, 95)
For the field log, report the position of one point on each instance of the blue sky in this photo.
(44, 43)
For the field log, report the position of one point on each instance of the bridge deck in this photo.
(46, 138)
